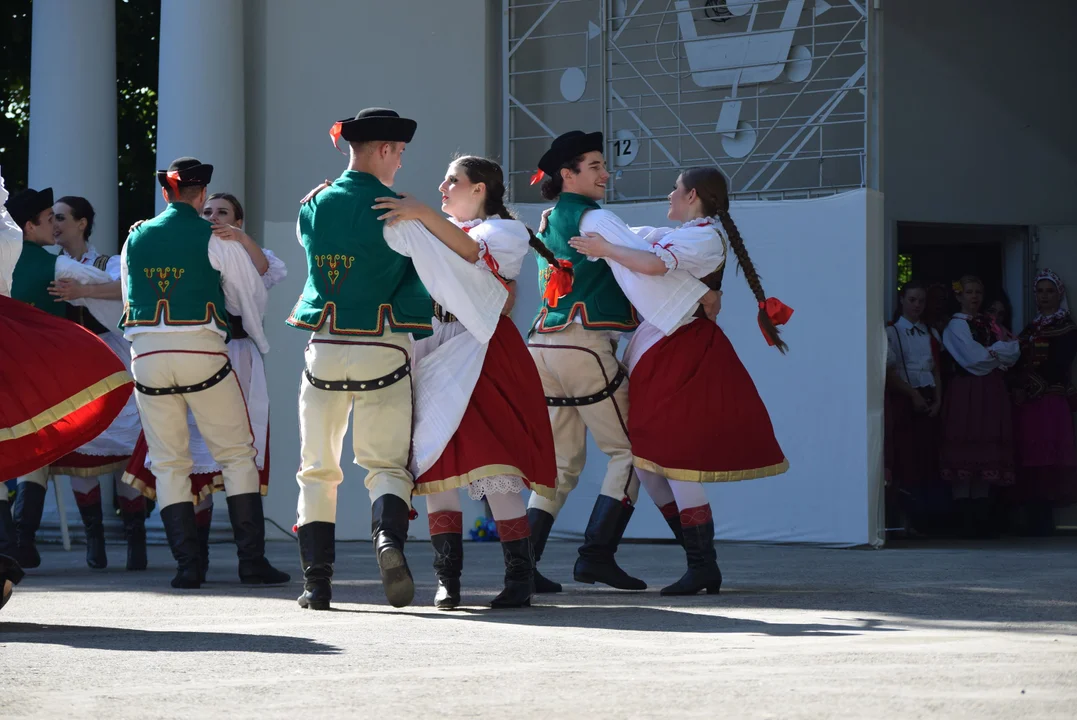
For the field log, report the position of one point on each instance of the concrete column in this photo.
(200, 89)
(73, 107)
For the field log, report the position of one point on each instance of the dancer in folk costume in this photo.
(1045, 401)
(225, 212)
(48, 406)
(179, 281)
(73, 223)
(480, 413)
(36, 276)
(696, 415)
(977, 414)
(573, 342)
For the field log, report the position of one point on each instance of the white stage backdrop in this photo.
(823, 258)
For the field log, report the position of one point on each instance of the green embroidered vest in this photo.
(169, 276)
(34, 271)
(596, 297)
(356, 283)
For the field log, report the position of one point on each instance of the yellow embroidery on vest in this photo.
(330, 265)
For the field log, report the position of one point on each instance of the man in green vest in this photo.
(574, 343)
(175, 277)
(35, 271)
(362, 302)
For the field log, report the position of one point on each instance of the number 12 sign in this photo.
(625, 147)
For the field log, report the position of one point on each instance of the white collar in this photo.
(699, 222)
(465, 226)
(87, 259)
(904, 323)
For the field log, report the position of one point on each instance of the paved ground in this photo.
(984, 631)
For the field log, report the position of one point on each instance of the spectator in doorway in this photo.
(1001, 311)
(913, 403)
(1045, 400)
(977, 439)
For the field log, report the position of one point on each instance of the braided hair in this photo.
(488, 172)
(710, 185)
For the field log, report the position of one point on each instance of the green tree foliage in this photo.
(15, 92)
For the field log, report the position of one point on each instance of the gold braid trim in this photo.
(708, 476)
(64, 408)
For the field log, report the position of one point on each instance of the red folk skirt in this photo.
(911, 444)
(142, 478)
(695, 414)
(977, 434)
(60, 387)
(1045, 452)
(506, 427)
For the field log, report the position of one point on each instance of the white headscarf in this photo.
(1063, 306)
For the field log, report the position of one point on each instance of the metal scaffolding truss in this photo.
(773, 92)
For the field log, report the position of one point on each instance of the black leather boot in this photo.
(448, 562)
(203, 552)
(182, 535)
(249, 528)
(703, 572)
(10, 572)
(93, 521)
(674, 522)
(317, 553)
(541, 523)
(134, 531)
(29, 504)
(389, 532)
(519, 575)
(596, 562)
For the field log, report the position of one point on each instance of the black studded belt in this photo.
(360, 385)
(443, 315)
(185, 389)
(590, 399)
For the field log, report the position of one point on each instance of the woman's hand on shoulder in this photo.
(405, 207)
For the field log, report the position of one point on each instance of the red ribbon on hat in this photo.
(778, 312)
(537, 177)
(334, 135)
(173, 178)
(559, 284)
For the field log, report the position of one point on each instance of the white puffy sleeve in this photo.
(506, 241)
(973, 356)
(664, 300)
(107, 312)
(699, 250)
(244, 292)
(10, 247)
(277, 269)
(112, 267)
(470, 293)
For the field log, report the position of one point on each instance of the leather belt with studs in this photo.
(443, 315)
(185, 389)
(360, 385)
(599, 396)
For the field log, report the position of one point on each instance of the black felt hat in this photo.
(567, 147)
(28, 204)
(185, 172)
(375, 124)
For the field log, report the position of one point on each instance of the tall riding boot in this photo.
(673, 518)
(10, 572)
(202, 520)
(29, 504)
(249, 528)
(703, 572)
(389, 532)
(93, 521)
(519, 564)
(317, 553)
(182, 535)
(596, 562)
(448, 563)
(541, 523)
(134, 531)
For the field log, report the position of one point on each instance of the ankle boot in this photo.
(519, 574)
(596, 562)
(448, 563)
(317, 553)
(389, 532)
(249, 528)
(93, 521)
(541, 523)
(29, 504)
(672, 517)
(182, 535)
(134, 531)
(703, 572)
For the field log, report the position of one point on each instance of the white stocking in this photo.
(506, 506)
(656, 486)
(445, 501)
(689, 494)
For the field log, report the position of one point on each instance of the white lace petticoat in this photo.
(496, 484)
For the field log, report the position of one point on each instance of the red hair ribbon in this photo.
(334, 135)
(778, 312)
(173, 178)
(537, 177)
(559, 284)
